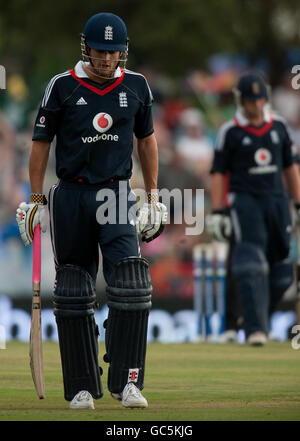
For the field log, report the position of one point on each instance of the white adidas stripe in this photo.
(51, 83)
(222, 134)
(133, 72)
(50, 86)
(141, 75)
(47, 89)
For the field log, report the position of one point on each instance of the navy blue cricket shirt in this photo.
(94, 123)
(254, 157)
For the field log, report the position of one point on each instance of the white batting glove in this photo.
(218, 225)
(151, 220)
(29, 215)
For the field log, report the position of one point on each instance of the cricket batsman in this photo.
(255, 150)
(94, 110)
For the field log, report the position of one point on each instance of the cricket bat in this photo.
(35, 345)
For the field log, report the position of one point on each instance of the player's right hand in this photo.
(218, 225)
(28, 216)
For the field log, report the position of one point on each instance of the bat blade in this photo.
(35, 344)
(36, 353)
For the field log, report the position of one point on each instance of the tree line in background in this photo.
(39, 38)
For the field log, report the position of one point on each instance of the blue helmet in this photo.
(252, 86)
(105, 31)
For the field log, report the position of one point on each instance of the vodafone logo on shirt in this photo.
(102, 122)
(41, 122)
(262, 157)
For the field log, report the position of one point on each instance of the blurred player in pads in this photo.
(255, 149)
(94, 109)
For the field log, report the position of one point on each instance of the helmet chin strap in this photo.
(94, 71)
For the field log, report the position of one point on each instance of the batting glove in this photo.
(151, 219)
(218, 225)
(29, 215)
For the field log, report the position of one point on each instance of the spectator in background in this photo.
(7, 166)
(15, 102)
(193, 147)
(170, 163)
(295, 131)
(286, 100)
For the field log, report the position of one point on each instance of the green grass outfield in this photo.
(184, 382)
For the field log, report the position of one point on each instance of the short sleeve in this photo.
(46, 122)
(221, 155)
(143, 125)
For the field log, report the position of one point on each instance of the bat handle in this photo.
(36, 257)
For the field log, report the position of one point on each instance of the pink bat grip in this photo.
(36, 256)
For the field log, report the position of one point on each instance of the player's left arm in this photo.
(292, 177)
(153, 214)
(148, 155)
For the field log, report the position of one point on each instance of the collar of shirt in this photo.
(80, 73)
(243, 121)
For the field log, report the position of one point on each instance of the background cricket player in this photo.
(256, 150)
(94, 110)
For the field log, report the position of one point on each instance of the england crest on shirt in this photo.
(274, 137)
(123, 99)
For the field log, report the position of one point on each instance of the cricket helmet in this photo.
(251, 86)
(106, 32)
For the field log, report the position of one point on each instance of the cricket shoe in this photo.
(229, 336)
(82, 400)
(257, 339)
(131, 397)
(116, 396)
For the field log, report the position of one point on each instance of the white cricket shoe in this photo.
(132, 397)
(82, 400)
(257, 339)
(229, 336)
